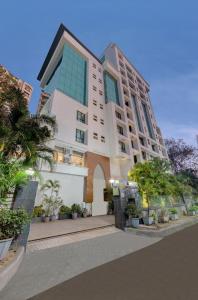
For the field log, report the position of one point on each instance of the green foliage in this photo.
(38, 211)
(173, 211)
(12, 174)
(132, 211)
(65, 210)
(51, 200)
(76, 208)
(23, 135)
(193, 208)
(12, 222)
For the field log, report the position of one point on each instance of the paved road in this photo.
(165, 270)
(43, 269)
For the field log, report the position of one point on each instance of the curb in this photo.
(9, 271)
(162, 232)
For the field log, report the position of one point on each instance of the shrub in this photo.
(65, 210)
(76, 208)
(193, 208)
(38, 211)
(12, 222)
(173, 211)
(132, 211)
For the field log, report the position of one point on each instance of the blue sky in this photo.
(159, 37)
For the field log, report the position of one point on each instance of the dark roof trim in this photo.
(54, 44)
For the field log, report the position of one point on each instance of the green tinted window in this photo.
(70, 75)
(111, 89)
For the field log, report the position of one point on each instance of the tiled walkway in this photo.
(68, 239)
(63, 227)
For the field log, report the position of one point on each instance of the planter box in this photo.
(135, 222)
(174, 217)
(64, 216)
(4, 247)
(148, 220)
(164, 219)
(46, 219)
(192, 213)
(36, 219)
(74, 216)
(53, 218)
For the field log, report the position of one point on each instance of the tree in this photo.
(184, 163)
(22, 135)
(12, 174)
(153, 179)
(182, 156)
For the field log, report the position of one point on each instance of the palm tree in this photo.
(22, 135)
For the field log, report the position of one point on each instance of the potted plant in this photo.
(37, 214)
(133, 215)
(110, 207)
(11, 226)
(76, 211)
(51, 200)
(164, 216)
(64, 212)
(192, 210)
(84, 212)
(149, 219)
(173, 214)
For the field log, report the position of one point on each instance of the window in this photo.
(142, 141)
(70, 75)
(100, 80)
(135, 159)
(120, 130)
(118, 115)
(94, 66)
(95, 102)
(101, 93)
(130, 128)
(111, 89)
(94, 76)
(80, 116)
(80, 136)
(137, 114)
(101, 106)
(58, 154)
(148, 121)
(122, 147)
(94, 88)
(144, 155)
(77, 158)
(95, 136)
(102, 121)
(99, 70)
(132, 144)
(95, 118)
(102, 139)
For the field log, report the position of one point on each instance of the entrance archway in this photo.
(99, 206)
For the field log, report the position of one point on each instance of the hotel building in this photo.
(105, 119)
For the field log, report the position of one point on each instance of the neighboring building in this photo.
(7, 79)
(105, 119)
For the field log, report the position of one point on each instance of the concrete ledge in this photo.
(8, 272)
(165, 231)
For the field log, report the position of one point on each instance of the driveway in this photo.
(167, 270)
(43, 269)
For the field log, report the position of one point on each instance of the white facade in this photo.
(110, 130)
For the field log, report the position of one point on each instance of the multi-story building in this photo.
(104, 115)
(8, 79)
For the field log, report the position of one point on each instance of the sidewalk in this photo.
(63, 227)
